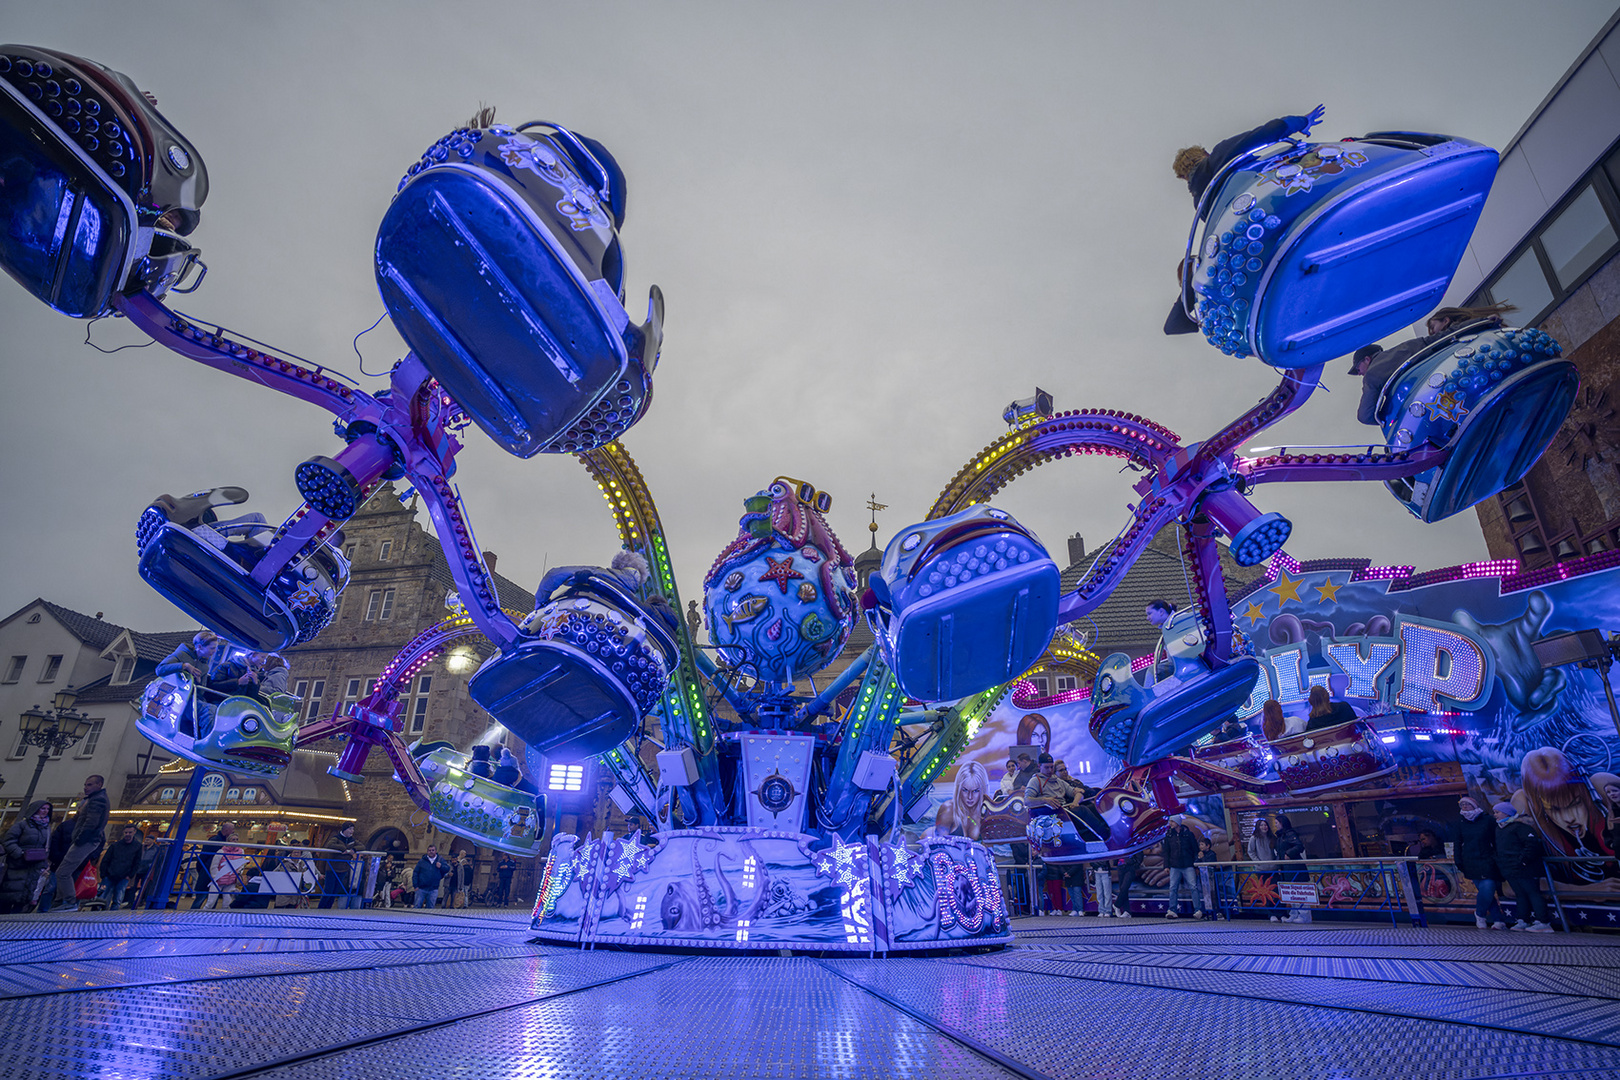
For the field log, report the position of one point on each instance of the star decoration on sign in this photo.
(1254, 614)
(1328, 591)
(1286, 588)
(839, 862)
(780, 572)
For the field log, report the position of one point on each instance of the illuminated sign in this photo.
(1425, 666)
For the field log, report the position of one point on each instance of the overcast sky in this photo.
(874, 224)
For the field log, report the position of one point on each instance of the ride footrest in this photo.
(240, 734)
(965, 602)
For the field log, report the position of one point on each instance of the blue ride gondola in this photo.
(500, 264)
(1493, 396)
(593, 659)
(97, 190)
(963, 603)
(204, 565)
(1307, 251)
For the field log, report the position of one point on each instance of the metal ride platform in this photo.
(392, 993)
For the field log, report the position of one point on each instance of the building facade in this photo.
(1548, 242)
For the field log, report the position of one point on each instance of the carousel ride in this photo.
(500, 263)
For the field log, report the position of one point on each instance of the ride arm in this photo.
(1349, 463)
(474, 582)
(634, 778)
(869, 725)
(217, 351)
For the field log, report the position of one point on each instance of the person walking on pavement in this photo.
(206, 853)
(28, 852)
(425, 878)
(504, 870)
(1521, 859)
(338, 868)
(118, 867)
(1180, 848)
(89, 833)
(1129, 867)
(1476, 858)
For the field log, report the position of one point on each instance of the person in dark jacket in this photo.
(1377, 365)
(504, 871)
(338, 869)
(1476, 858)
(1429, 845)
(61, 840)
(430, 870)
(1180, 849)
(1290, 847)
(1129, 867)
(118, 867)
(89, 834)
(1521, 859)
(1199, 168)
(1325, 712)
(225, 834)
(28, 851)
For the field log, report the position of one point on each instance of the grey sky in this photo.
(875, 225)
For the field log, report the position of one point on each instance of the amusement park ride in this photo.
(500, 263)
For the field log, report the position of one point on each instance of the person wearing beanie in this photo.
(481, 765)
(507, 772)
(1476, 859)
(1520, 859)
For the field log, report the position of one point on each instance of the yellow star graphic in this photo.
(1254, 614)
(1286, 588)
(1328, 591)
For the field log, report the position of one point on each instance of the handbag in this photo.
(88, 883)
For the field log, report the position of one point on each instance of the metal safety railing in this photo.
(259, 875)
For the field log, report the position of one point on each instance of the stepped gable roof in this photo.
(1157, 575)
(512, 595)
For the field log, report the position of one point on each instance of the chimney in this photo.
(98, 614)
(489, 560)
(1077, 549)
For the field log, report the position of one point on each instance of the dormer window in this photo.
(124, 671)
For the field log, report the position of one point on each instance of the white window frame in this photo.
(419, 704)
(387, 606)
(14, 671)
(87, 745)
(384, 549)
(373, 603)
(121, 674)
(53, 668)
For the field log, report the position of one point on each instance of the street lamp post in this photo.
(53, 730)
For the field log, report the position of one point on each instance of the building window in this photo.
(87, 748)
(33, 619)
(419, 704)
(1524, 285)
(380, 605)
(1065, 682)
(126, 670)
(1567, 246)
(53, 664)
(566, 778)
(310, 692)
(351, 692)
(1578, 237)
(14, 669)
(348, 552)
(21, 748)
(384, 549)
(1042, 686)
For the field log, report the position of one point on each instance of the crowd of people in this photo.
(54, 864)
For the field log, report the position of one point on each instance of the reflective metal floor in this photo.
(461, 994)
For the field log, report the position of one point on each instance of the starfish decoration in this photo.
(1254, 614)
(780, 572)
(631, 857)
(1286, 588)
(1328, 591)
